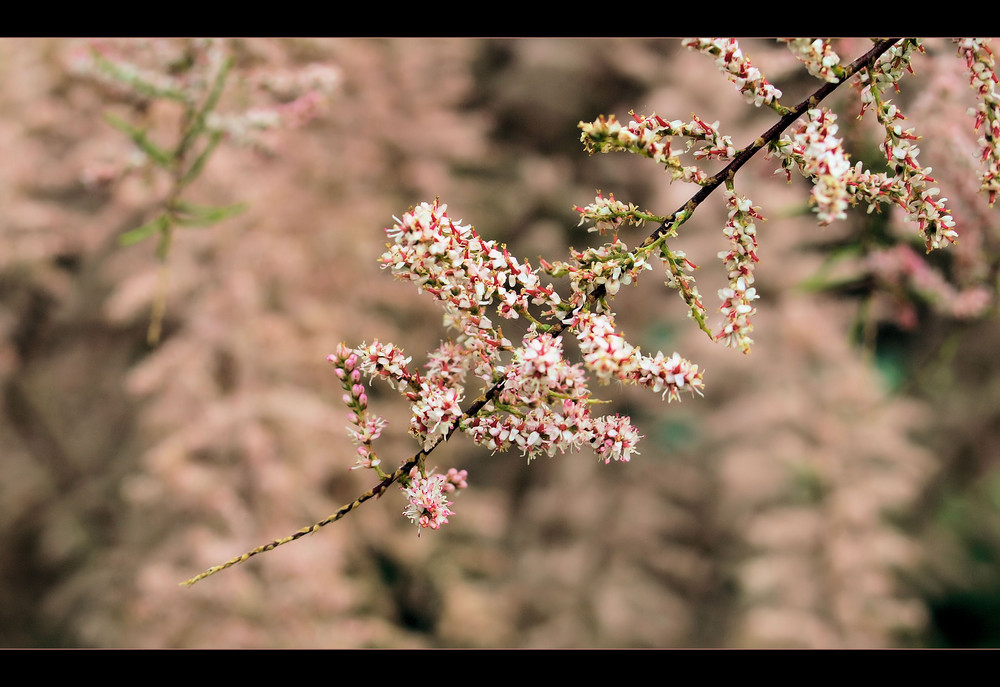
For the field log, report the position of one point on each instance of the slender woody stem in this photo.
(599, 293)
(866, 60)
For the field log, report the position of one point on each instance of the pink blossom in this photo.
(428, 506)
(615, 438)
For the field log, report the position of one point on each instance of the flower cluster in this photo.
(736, 66)
(611, 265)
(541, 405)
(545, 408)
(983, 78)
(611, 357)
(363, 429)
(428, 504)
(886, 71)
(642, 136)
(610, 214)
(653, 137)
(678, 273)
(736, 309)
(930, 214)
(384, 360)
(817, 55)
(436, 409)
(541, 430)
(816, 152)
(451, 262)
(741, 229)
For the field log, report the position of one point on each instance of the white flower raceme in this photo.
(737, 67)
(817, 55)
(983, 79)
(736, 308)
(816, 152)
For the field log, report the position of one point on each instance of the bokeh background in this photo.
(838, 487)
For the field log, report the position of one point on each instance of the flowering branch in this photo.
(195, 80)
(533, 399)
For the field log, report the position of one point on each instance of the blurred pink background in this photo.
(838, 487)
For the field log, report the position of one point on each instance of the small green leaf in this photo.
(133, 236)
(138, 136)
(191, 215)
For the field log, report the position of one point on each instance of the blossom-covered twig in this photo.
(533, 399)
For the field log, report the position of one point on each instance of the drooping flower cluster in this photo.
(428, 505)
(678, 273)
(933, 219)
(818, 57)
(736, 309)
(736, 66)
(741, 229)
(816, 152)
(983, 78)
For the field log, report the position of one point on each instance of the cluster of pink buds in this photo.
(363, 428)
(736, 66)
